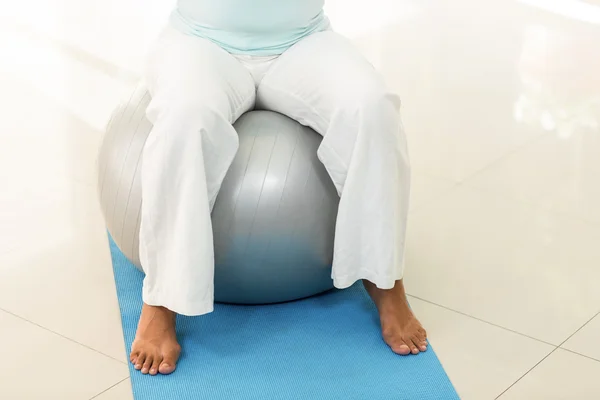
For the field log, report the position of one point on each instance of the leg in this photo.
(325, 83)
(198, 90)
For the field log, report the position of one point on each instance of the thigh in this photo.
(187, 72)
(322, 77)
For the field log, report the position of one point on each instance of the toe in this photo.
(134, 356)
(155, 365)
(169, 362)
(147, 364)
(414, 344)
(165, 368)
(421, 342)
(402, 348)
(140, 361)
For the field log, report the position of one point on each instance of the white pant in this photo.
(199, 90)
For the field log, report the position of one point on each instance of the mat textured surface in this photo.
(324, 348)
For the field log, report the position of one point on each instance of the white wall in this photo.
(85, 54)
(112, 30)
(120, 31)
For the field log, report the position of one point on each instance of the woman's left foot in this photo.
(401, 330)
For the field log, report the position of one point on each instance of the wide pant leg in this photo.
(198, 90)
(325, 83)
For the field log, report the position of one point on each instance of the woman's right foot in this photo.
(155, 349)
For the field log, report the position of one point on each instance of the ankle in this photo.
(388, 300)
(397, 290)
(160, 312)
(161, 309)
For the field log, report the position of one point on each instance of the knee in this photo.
(370, 102)
(374, 108)
(374, 98)
(187, 108)
(187, 126)
(375, 111)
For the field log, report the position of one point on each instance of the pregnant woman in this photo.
(215, 61)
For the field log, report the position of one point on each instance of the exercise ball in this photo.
(274, 217)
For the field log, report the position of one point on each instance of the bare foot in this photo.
(155, 348)
(400, 328)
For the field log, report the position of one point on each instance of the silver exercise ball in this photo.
(274, 218)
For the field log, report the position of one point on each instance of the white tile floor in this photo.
(502, 105)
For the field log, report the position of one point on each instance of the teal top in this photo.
(251, 27)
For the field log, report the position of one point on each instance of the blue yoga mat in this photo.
(327, 347)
